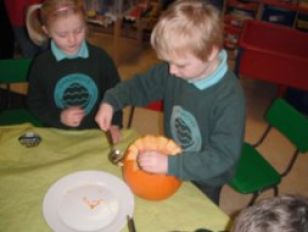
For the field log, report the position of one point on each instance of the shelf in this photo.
(281, 4)
(250, 6)
(231, 37)
(236, 20)
(303, 8)
(291, 13)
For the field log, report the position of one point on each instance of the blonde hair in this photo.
(286, 213)
(39, 15)
(188, 26)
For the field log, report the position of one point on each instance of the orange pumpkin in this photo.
(147, 185)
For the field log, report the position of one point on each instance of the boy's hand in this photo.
(72, 116)
(154, 162)
(104, 116)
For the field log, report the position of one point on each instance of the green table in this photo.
(27, 173)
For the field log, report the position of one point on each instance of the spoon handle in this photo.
(109, 138)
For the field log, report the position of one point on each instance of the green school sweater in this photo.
(55, 85)
(208, 123)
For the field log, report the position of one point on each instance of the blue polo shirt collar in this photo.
(60, 55)
(216, 76)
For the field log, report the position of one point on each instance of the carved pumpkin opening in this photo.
(147, 185)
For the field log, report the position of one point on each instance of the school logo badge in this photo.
(76, 90)
(185, 130)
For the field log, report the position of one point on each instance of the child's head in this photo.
(61, 20)
(279, 214)
(188, 26)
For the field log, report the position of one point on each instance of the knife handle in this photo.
(131, 224)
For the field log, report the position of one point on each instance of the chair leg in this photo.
(130, 117)
(6, 97)
(237, 62)
(257, 194)
(253, 199)
(291, 164)
(265, 133)
(2, 99)
(276, 191)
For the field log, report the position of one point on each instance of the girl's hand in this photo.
(154, 162)
(72, 116)
(115, 134)
(104, 116)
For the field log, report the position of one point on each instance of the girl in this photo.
(67, 83)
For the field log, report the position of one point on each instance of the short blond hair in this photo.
(193, 26)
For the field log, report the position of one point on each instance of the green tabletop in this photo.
(27, 173)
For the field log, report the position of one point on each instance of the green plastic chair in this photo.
(254, 173)
(15, 71)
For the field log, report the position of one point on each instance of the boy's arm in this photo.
(113, 78)
(140, 90)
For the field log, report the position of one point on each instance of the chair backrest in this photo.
(156, 106)
(290, 122)
(14, 70)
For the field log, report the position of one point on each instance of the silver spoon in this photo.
(115, 155)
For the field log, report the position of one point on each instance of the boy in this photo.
(287, 213)
(203, 100)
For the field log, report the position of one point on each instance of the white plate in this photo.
(88, 201)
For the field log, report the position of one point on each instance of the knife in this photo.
(131, 224)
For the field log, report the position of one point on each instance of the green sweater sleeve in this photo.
(140, 90)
